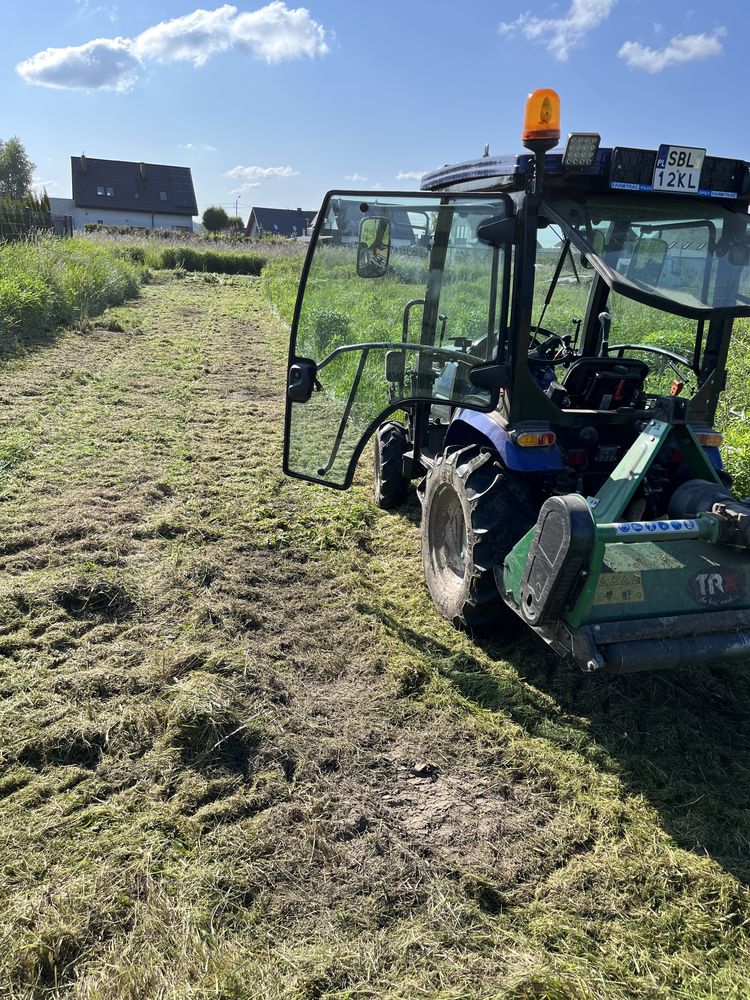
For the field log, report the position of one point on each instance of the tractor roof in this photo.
(617, 169)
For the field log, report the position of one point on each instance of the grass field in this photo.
(243, 757)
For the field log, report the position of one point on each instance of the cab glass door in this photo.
(402, 299)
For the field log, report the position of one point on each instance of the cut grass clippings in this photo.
(242, 756)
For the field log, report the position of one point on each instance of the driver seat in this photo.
(604, 383)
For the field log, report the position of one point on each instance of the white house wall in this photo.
(146, 220)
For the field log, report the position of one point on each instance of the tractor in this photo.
(540, 341)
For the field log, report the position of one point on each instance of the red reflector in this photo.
(576, 456)
(677, 457)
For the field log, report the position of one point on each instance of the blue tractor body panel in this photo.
(547, 459)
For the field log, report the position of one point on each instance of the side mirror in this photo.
(647, 260)
(374, 247)
(497, 231)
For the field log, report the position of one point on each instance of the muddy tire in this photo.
(473, 513)
(391, 486)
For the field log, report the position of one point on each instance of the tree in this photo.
(236, 223)
(215, 219)
(16, 169)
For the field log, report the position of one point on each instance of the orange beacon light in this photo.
(542, 118)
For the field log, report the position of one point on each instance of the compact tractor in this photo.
(541, 341)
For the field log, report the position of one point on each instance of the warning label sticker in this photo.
(619, 588)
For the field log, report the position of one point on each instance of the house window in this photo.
(162, 196)
(110, 192)
(100, 191)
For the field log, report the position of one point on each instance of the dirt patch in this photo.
(456, 816)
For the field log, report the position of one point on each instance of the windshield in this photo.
(693, 255)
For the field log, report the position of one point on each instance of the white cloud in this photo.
(275, 33)
(252, 173)
(355, 178)
(410, 175)
(680, 49)
(191, 38)
(561, 34)
(103, 64)
(199, 147)
(39, 187)
(87, 9)
(272, 33)
(245, 187)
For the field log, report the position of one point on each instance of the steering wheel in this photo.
(547, 349)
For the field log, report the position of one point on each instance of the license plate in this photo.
(678, 169)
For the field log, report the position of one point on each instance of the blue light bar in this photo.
(509, 170)
(621, 168)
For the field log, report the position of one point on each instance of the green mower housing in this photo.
(540, 340)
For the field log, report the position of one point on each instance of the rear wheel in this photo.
(391, 486)
(473, 513)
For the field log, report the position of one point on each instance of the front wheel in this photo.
(473, 513)
(391, 486)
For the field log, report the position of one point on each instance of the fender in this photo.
(519, 459)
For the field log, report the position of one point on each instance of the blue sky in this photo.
(274, 104)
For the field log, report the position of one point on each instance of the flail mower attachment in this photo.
(621, 596)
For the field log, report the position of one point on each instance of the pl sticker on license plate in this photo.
(678, 169)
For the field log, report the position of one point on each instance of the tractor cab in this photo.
(541, 340)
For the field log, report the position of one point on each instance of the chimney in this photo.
(83, 163)
(142, 171)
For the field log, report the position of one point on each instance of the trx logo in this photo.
(710, 584)
(717, 589)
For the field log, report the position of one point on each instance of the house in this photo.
(125, 193)
(279, 222)
(344, 218)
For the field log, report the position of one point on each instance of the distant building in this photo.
(342, 223)
(290, 222)
(124, 193)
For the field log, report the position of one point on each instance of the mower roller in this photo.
(541, 341)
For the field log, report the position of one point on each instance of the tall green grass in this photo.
(169, 249)
(187, 258)
(47, 282)
(215, 261)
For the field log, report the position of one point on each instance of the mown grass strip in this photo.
(242, 756)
